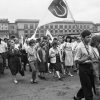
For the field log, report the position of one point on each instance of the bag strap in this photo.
(86, 48)
(95, 54)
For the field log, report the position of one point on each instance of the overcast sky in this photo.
(82, 10)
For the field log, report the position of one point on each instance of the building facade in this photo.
(4, 28)
(26, 27)
(67, 28)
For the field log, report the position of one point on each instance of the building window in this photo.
(31, 27)
(65, 31)
(77, 26)
(42, 31)
(77, 30)
(25, 26)
(61, 31)
(51, 26)
(31, 31)
(65, 26)
(80, 26)
(56, 26)
(61, 26)
(37, 35)
(73, 26)
(34, 26)
(69, 26)
(69, 30)
(73, 30)
(42, 27)
(46, 27)
(84, 26)
(88, 27)
(26, 31)
(42, 34)
(56, 31)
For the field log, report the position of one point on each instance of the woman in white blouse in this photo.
(55, 59)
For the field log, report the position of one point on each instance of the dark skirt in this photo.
(1, 68)
(56, 66)
(42, 67)
(24, 57)
(14, 65)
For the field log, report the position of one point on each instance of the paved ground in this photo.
(51, 89)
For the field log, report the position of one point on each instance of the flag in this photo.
(22, 40)
(33, 36)
(49, 35)
(57, 10)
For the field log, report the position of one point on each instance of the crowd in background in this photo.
(42, 55)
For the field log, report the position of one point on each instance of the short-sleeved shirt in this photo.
(81, 52)
(3, 47)
(31, 54)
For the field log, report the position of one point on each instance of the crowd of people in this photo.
(58, 57)
(42, 55)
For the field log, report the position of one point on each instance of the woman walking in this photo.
(42, 61)
(32, 60)
(14, 61)
(56, 59)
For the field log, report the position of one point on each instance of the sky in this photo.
(82, 10)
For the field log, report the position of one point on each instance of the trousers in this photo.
(33, 67)
(87, 82)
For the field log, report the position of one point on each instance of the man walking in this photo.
(83, 57)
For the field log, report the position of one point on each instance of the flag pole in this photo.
(71, 15)
(33, 37)
(76, 26)
(70, 11)
(40, 22)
